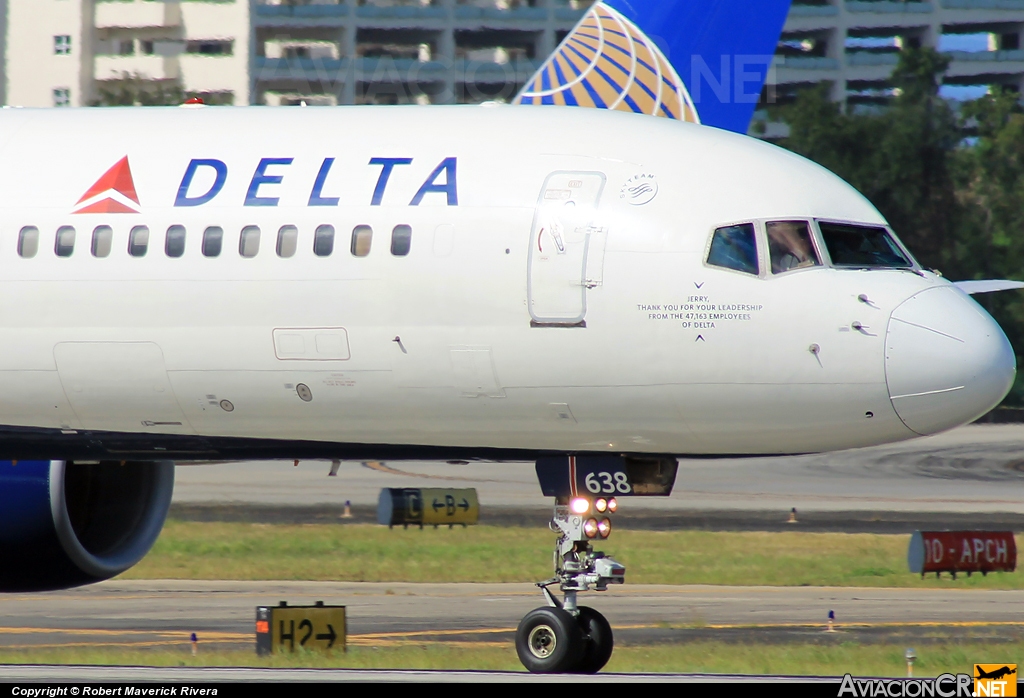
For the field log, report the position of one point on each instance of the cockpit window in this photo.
(862, 246)
(734, 247)
(790, 246)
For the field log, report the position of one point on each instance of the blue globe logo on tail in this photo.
(608, 63)
(702, 61)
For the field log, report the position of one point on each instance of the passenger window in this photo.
(28, 242)
(401, 240)
(790, 246)
(362, 238)
(323, 241)
(174, 244)
(138, 241)
(249, 241)
(735, 247)
(64, 244)
(862, 246)
(102, 239)
(213, 237)
(287, 241)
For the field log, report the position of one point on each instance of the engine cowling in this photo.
(67, 523)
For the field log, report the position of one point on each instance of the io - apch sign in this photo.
(962, 551)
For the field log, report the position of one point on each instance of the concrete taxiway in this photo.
(203, 675)
(163, 613)
(973, 476)
(977, 468)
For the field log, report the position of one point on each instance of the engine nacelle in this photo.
(66, 523)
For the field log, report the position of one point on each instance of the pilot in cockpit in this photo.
(790, 246)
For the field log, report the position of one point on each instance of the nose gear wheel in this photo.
(542, 642)
(549, 641)
(598, 642)
(564, 637)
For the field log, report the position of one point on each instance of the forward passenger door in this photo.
(567, 246)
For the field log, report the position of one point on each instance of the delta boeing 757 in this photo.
(597, 289)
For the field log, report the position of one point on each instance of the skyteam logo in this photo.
(639, 189)
(114, 192)
(607, 62)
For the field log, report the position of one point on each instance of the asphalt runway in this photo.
(971, 476)
(200, 675)
(974, 469)
(161, 614)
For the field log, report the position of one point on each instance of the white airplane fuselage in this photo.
(547, 302)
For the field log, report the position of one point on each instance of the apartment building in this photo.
(3, 51)
(401, 51)
(441, 51)
(81, 52)
(854, 44)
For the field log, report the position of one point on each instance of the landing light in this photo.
(579, 505)
(590, 528)
(604, 527)
(601, 505)
(612, 505)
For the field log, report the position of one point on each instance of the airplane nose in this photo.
(947, 362)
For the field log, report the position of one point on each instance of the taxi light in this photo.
(613, 505)
(590, 528)
(604, 527)
(601, 505)
(579, 505)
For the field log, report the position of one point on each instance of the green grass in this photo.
(832, 659)
(241, 551)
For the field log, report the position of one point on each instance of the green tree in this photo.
(950, 184)
(134, 90)
(898, 157)
(990, 189)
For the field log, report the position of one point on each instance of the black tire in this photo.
(549, 641)
(598, 642)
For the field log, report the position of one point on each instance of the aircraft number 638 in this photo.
(608, 483)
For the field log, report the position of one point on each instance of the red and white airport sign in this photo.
(962, 551)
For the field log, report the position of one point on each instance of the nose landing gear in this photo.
(598, 642)
(549, 641)
(563, 637)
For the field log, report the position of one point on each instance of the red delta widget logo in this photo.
(114, 192)
(204, 179)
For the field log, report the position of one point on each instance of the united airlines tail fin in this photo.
(704, 61)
